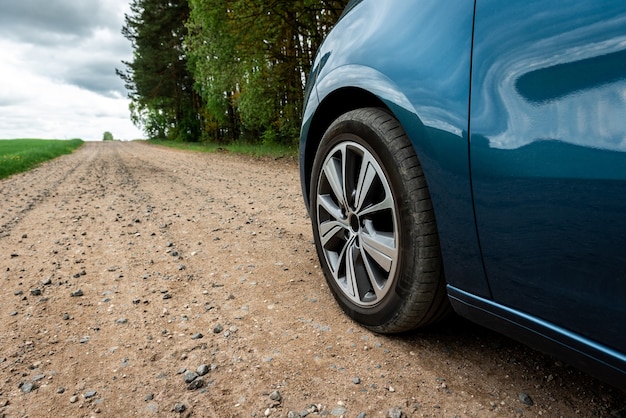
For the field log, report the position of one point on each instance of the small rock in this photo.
(90, 394)
(149, 397)
(77, 293)
(338, 411)
(189, 376)
(167, 296)
(35, 292)
(121, 321)
(61, 389)
(275, 396)
(196, 384)
(27, 387)
(218, 328)
(202, 370)
(395, 413)
(356, 380)
(197, 336)
(526, 399)
(74, 399)
(180, 408)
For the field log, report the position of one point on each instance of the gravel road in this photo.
(143, 281)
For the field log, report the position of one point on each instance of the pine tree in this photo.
(163, 100)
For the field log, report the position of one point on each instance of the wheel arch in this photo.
(334, 105)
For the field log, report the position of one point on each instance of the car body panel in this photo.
(530, 211)
(548, 158)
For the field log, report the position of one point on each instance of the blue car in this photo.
(471, 157)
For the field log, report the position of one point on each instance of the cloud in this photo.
(57, 72)
(52, 21)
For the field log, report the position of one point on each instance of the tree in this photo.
(108, 136)
(250, 60)
(161, 88)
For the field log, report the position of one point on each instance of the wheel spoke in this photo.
(367, 176)
(380, 247)
(330, 230)
(334, 171)
(377, 283)
(328, 204)
(352, 273)
(385, 204)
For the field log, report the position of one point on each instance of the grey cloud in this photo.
(52, 21)
(98, 77)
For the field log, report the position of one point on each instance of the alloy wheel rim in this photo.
(357, 223)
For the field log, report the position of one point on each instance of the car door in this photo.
(548, 160)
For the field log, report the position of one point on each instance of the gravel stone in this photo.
(189, 376)
(180, 408)
(77, 293)
(202, 369)
(338, 411)
(218, 328)
(196, 384)
(275, 396)
(395, 413)
(526, 399)
(28, 387)
(197, 336)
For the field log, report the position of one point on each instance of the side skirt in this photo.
(596, 359)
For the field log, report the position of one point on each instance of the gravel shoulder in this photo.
(143, 281)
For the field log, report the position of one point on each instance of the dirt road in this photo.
(143, 281)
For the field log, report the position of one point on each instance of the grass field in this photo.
(19, 155)
(256, 150)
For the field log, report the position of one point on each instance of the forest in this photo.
(223, 71)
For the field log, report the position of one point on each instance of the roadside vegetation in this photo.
(19, 155)
(275, 151)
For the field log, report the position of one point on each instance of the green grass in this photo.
(19, 155)
(255, 150)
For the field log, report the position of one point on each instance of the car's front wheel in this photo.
(374, 226)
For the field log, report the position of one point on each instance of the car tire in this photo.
(374, 226)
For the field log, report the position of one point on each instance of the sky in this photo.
(57, 70)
